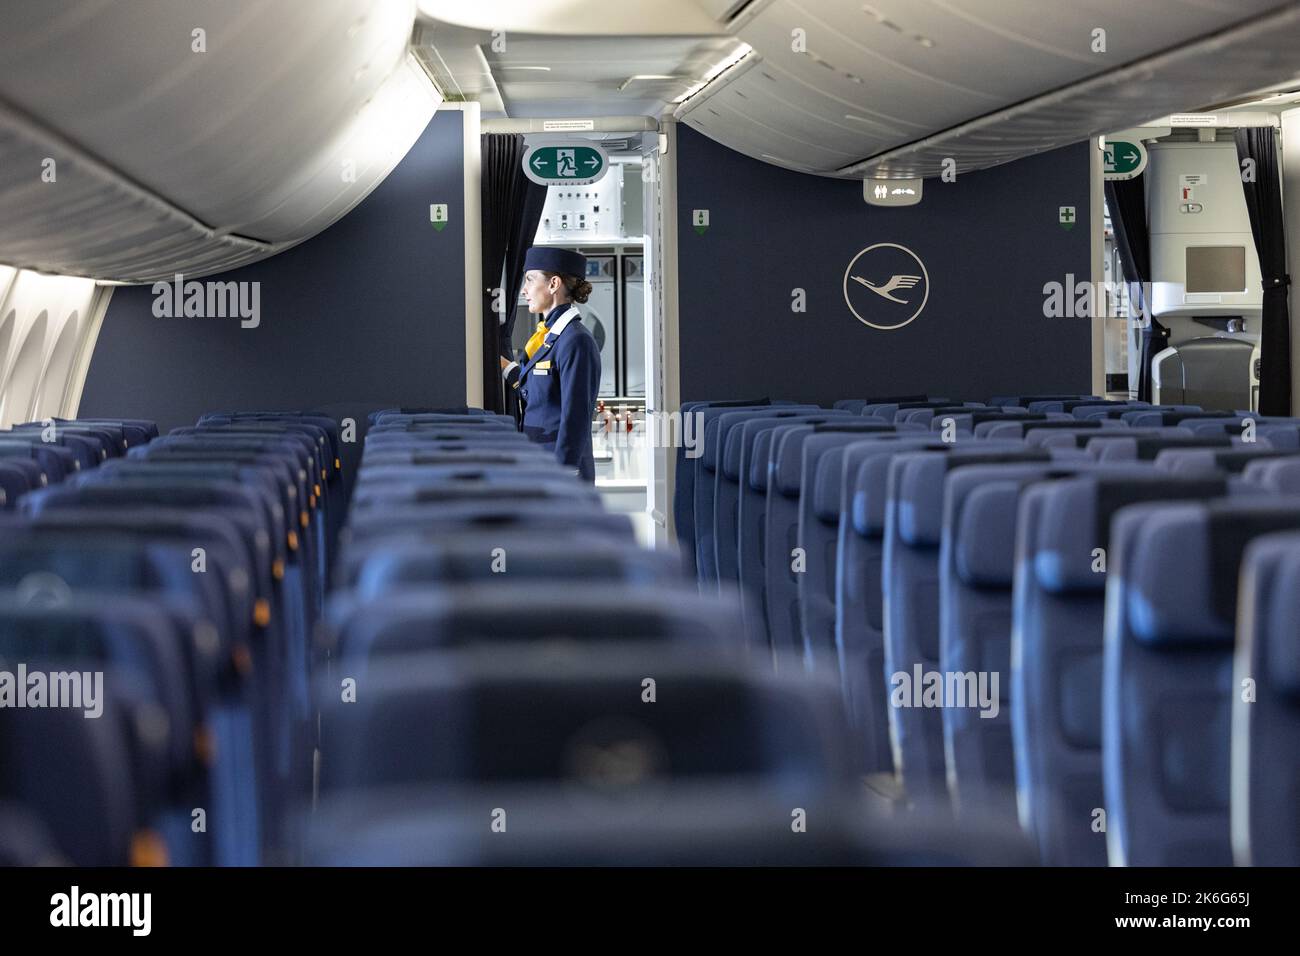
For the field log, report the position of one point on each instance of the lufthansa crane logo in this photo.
(886, 286)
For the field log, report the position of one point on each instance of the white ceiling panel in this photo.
(176, 151)
(542, 76)
(983, 81)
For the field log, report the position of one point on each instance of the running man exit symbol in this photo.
(1066, 216)
(566, 163)
(438, 215)
(700, 219)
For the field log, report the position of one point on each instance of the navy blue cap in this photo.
(563, 261)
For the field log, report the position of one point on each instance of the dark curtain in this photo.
(512, 208)
(1126, 200)
(1264, 203)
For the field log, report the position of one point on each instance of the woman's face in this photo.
(539, 291)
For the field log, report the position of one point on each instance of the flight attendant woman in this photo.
(560, 377)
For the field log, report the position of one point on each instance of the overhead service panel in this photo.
(1203, 259)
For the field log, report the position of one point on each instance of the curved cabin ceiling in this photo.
(182, 152)
(170, 159)
(892, 87)
(852, 88)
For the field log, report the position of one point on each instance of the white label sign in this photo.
(568, 126)
(1194, 119)
(1193, 179)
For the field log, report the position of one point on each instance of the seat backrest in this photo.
(523, 714)
(434, 491)
(1188, 461)
(1276, 473)
(135, 671)
(238, 505)
(1023, 401)
(693, 418)
(1266, 723)
(1061, 566)
(820, 499)
(1114, 446)
(484, 516)
(450, 562)
(913, 531)
(56, 462)
(429, 439)
(1068, 405)
(971, 421)
(1166, 416)
(686, 823)
(924, 416)
(859, 636)
(729, 481)
(1167, 678)
(15, 481)
(74, 777)
(856, 405)
(976, 571)
(784, 557)
(888, 410)
(751, 526)
(471, 614)
(1280, 435)
(716, 428)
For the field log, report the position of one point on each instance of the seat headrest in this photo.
(1281, 436)
(709, 460)
(1076, 520)
(985, 536)
(1073, 424)
(1197, 603)
(986, 560)
(1167, 602)
(828, 485)
(917, 486)
(787, 473)
(1149, 446)
(1233, 524)
(759, 462)
(1279, 474)
(1014, 413)
(852, 425)
(867, 472)
(714, 429)
(731, 454)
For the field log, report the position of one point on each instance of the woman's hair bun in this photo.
(579, 288)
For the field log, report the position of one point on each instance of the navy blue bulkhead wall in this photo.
(989, 242)
(369, 313)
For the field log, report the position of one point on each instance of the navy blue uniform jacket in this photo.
(560, 385)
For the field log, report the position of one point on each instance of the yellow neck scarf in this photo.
(535, 340)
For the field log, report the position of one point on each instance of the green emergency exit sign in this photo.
(1123, 159)
(567, 164)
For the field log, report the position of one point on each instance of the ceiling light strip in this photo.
(726, 70)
